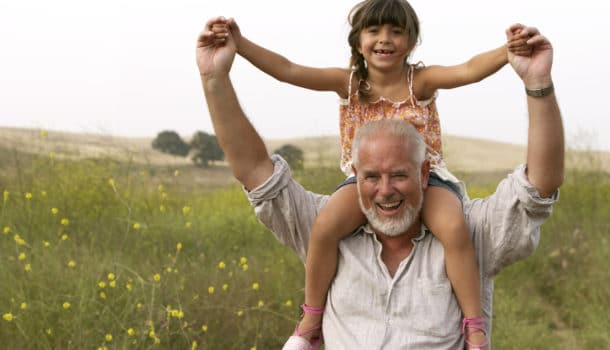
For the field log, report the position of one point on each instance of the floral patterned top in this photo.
(421, 114)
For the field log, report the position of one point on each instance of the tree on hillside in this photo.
(292, 154)
(205, 148)
(170, 142)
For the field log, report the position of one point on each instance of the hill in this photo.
(462, 154)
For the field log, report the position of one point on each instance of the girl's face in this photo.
(384, 46)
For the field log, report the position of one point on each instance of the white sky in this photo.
(128, 67)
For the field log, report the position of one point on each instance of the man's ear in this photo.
(425, 173)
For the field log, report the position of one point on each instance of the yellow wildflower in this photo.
(28, 267)
(162, 208)
(178, 246)
(46, 244)
(64, 237)
(43, 193)
(23, 305)
(6, 230)
(65, 222)
(66, 305)
(210, 290)
(8, 317)
(43, 133)
(243, 260)
(139, 306)
(255, 286)
(112, 284)
(102, 284)
(102, 295)
(111, 183)
(253, 348)
(108, 337)
(168, 269)
(177, 172)
(49, 331)
(136, 226)
(52, 155)
(28, 195)
(222, 265)
(6, 194)
(157, 277)
(204, 328)
(72, 263)
(111, 276)
(131, 332)
(244, 267)
(157, 340)
(128, 286)
(19, 240)
(225, 287)
(186, 210)
(261, 303)
(194, 343)
(188, 224)
(288, 303)
(240, 313)
(54, 211)
(21, 256)
(160, 188)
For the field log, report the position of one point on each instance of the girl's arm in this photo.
(279, 67)
(432, 78)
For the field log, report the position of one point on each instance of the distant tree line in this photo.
(204, 149)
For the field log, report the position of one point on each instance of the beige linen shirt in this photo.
(416, 309)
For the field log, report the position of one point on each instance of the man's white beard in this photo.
(394, 226)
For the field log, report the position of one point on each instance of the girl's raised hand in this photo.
(517, 42)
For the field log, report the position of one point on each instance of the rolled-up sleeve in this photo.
(285, 207)
(506, 225)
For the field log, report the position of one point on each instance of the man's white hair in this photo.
(391, 127)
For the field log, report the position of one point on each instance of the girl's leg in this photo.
(340, 217)
(443, 215)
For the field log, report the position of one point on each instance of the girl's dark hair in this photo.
(378, 12)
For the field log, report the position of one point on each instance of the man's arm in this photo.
(506, 225)
(242, 145)
(545, 146)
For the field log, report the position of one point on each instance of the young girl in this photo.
(383, 84)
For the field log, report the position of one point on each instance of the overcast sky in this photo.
(128, 67)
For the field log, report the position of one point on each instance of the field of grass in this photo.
(97, 253)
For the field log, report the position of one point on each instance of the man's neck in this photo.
(394, 249)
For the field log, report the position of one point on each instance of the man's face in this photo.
(390, 185)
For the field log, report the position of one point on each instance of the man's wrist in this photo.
(540, 92)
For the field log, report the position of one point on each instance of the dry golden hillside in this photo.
(462, 154)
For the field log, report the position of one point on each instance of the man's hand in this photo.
(535, 69)
(215, 50)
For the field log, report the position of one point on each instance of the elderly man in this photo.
(391, 289)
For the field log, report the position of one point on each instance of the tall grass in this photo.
(98, 254)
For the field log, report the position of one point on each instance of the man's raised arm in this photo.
(243, 147)
(545, 144)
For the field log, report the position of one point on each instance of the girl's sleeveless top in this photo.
(422, 115)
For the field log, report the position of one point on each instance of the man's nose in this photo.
(386, 187)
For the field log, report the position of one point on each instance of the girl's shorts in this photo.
(433, 180)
